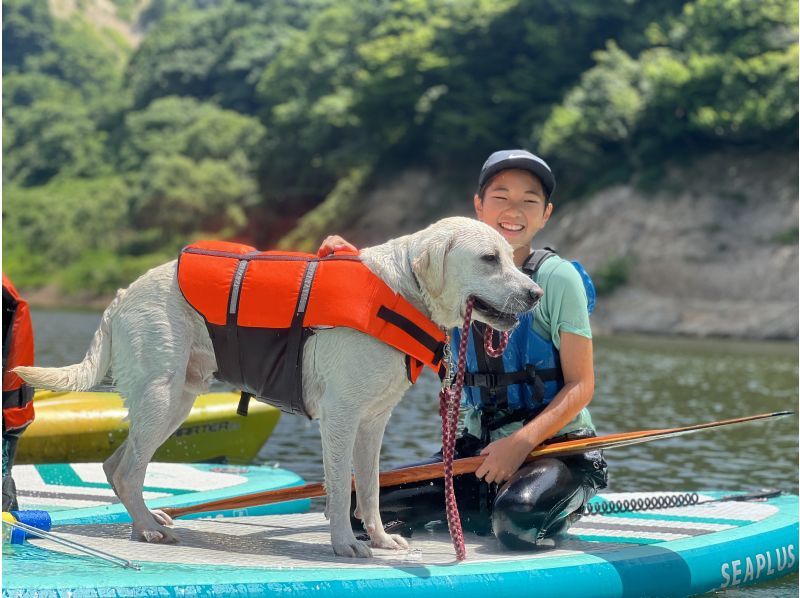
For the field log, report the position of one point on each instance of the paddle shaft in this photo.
(433, 471)
(35, 531)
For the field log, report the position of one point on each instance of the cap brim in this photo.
(532, 166)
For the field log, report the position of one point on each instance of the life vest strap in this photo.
(501, 379)
(244, 403)
(19, 397)
(536, 258)
(426, 340)
(293, 373)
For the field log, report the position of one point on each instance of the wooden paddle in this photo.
(432, 471)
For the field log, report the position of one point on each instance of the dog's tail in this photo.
(83, 375)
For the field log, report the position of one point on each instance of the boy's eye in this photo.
(490, 258)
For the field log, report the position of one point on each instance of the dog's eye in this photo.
(490, 258)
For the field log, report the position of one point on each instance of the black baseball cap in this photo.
(518, 158)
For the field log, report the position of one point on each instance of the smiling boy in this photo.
(536, 392)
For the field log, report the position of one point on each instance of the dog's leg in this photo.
(178, 417)
(167, 406)
(338, 430)
(110, 466)
(366, 464)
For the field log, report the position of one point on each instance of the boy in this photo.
(536, 392)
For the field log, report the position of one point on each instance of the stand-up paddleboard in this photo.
(85, 427)
(79, 493)
(665, 552)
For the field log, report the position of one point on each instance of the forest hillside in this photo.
(132, 127)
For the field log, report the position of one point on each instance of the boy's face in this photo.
(514, 205)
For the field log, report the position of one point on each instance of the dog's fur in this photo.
(163, 358)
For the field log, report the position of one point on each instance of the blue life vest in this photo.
(527, 377)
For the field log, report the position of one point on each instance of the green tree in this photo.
(176, 125)
(28, 30)
(178, 197)
(721, 72)
(50, 138)
(58, 78)
(48, 227)
(217, 53)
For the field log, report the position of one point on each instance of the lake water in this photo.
(640, 383)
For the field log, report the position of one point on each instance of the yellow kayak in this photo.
(84, 427)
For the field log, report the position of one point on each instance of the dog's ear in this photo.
(429, 267)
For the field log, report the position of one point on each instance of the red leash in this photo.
(487, 342)
(449, 401)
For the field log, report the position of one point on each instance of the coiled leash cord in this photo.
(669, 501)
(449, 402)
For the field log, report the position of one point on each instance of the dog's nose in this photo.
(535, 293)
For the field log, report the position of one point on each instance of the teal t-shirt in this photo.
(563, 308)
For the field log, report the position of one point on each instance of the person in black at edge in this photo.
(17, 396)
(536, 393)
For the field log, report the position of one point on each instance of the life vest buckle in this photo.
(487, 380)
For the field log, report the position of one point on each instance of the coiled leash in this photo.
(669, 501)
(449, 402)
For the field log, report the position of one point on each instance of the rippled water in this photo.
(641, 383)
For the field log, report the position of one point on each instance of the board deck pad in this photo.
(675, 551)
(79, 492)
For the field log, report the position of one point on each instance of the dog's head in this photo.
(458, 258)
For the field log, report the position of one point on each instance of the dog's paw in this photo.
(161, 517)
(154, 535)
(353, 549)
(389, 541)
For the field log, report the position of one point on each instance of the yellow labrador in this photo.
(162, 358)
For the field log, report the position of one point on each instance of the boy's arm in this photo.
(507, 454)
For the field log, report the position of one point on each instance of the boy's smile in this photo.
(511, 227)
(514, 205)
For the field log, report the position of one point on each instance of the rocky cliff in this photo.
(709, 250)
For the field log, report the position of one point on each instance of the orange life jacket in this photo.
(261, 307)
(17, 350)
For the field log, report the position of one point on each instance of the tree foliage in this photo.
(721, 72)
(234, 117)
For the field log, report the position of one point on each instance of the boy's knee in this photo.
(535, 503)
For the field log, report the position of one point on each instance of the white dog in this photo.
(162, 358)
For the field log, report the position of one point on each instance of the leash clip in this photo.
(447, 357)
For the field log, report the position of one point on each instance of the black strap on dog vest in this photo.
(230, 325)
(292, 367)
(244, 403)
(411, 329)
(293, 371)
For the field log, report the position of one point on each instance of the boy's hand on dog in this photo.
(334, 243)
(503, 457)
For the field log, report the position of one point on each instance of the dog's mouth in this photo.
(499, 320)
